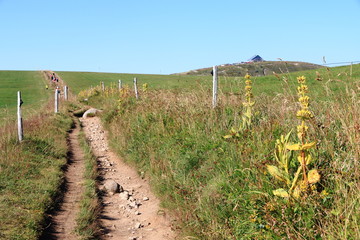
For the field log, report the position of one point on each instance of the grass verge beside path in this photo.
(87, 226)
(31, 174)
(221, 189)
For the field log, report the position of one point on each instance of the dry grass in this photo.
(220, 189)
(30, 173)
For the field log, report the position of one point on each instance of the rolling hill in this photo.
(255, 68)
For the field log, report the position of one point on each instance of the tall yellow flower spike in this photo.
(296, 185)
(249, 103)
(247, 115)
(304, 114)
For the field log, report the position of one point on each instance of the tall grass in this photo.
(87, 225)
(220, 189)
(30, 173)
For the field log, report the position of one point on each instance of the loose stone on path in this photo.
(131, 207)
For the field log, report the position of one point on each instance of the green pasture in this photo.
(221, 188)
(32, 87)
(328, 79)
(78, 81)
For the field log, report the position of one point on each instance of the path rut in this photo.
(135, 212)
(63, 219)
(132, 214)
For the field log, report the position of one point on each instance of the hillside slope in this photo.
(256, 68)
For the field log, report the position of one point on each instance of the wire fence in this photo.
(341, 63)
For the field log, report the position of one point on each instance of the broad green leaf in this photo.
(297, 147)
(287, 137)
(296, 192)
(295, 179)
(294, 147)
(228, 136)
(281, 193)
(299, 159)
(275, 172)
(313, 176)
(308, 145)
(308, 159)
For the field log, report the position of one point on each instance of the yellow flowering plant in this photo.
(248, 113)
(283, 151)
(145, 87)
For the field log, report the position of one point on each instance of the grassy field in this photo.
(268, 85)
(32, 87)
(31, 173)
(221, 189)
(78, 81)
(217, 188)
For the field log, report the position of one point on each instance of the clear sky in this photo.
(170, 36)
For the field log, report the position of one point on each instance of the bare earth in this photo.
(135, 215)
(62, 220)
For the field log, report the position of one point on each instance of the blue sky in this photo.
(163, 37)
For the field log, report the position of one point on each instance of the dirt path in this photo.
(62, 220)
(134, 213)
(59, 83)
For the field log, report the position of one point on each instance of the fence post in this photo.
(66, 93)
(135, 88)
(120, 84)
(19, 117)
(215, 85)
(56, 100)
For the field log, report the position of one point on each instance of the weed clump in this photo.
(295, 186)
(247, 116)
(221, 190)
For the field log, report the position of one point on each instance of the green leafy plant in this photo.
(247, 115)
(283, 153)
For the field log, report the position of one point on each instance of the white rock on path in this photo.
(138, 225)
(112, 187)
(90, 111)
(124, 195)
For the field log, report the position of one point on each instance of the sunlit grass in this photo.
(32, 87)
(222, 190)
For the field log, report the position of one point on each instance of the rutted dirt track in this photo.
(63, 219)
(131, 213)
(134, 213)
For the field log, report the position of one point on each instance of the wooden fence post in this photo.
(135, 88)
(66, 93)
(56, 100)
(19, 117)
(215, 85)
(120, 84)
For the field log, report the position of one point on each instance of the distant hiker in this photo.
(53, 77)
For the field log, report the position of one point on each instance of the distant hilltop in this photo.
(255, 66)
